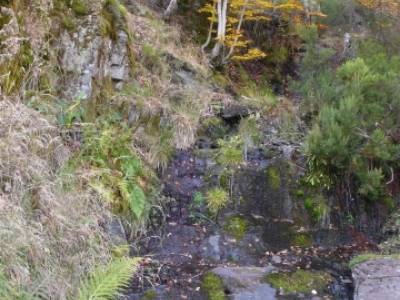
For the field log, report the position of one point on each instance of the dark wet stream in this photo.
(266, 228)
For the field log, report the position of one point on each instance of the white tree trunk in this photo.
(222, 8)
(171, 9)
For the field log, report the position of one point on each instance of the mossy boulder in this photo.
(213, 287)
(300, 281)
(236, 227)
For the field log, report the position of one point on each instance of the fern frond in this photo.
(106, 282)
(106, 193)
(137, 201)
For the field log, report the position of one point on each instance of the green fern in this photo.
(134, 196)
(107, 281)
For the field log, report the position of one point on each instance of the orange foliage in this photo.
(386, 7)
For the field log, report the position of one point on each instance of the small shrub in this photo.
(217, 199)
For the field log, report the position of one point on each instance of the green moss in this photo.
(316, 207)
(302, 240)
(149, 295)
(300, 281)
(80, 7)
(359, 259)
(274, 177)
(213, 287)
(236, 227)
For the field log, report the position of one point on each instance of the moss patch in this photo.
(302, 240)
(213, 287)
(149, 295)
(300, 281)
(274, 177)
(236, 227)
(359, 259)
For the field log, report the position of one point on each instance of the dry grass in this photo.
(49, 237)
(168, 39)
(161, 51)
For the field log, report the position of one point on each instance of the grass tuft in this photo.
(300, 281)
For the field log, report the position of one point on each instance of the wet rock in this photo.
(246, 283)
(276, 259)
(377, 279)
(235, 111)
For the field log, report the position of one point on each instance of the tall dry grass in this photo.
(49, 236)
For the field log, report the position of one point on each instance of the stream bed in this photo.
(259, 248)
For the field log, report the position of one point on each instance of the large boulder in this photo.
(377, 279)
(246, 283)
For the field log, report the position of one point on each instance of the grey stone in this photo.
(246, 283)
(377, 279)
(117, 232)
(215, 251)
(276, 259)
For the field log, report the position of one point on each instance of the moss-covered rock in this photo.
(274, 177)
(300, 281)
(149, 295)
(236, 227)
(213, 287)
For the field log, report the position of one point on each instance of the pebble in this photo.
(276, 259)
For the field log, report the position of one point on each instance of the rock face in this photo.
(246, 283)
(87, 56)
(377, 279)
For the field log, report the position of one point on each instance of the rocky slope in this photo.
(77, 75)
